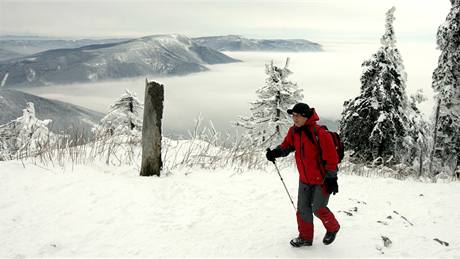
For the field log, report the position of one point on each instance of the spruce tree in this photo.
(269, 121)
(123, 119)
(374, 124)
(446, 85)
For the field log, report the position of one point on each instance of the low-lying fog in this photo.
(327, 78)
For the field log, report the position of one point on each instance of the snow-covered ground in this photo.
(100, 211)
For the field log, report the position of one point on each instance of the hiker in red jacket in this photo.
(316, 160)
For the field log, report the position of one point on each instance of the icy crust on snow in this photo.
(105, 211)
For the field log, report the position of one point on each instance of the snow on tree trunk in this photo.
(436, 120)
(446, 85)
(151, 130)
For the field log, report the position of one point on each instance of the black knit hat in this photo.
(302, 109)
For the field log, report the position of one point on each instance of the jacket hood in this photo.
(313, 119)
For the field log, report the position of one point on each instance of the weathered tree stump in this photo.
(151, 129)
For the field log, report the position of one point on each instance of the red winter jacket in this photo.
(307, 153)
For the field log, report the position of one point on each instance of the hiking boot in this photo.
(298, 242)
(330, 237)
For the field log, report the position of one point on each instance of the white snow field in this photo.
(105, 211)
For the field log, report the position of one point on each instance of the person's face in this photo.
(298, 119)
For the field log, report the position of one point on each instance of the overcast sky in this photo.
(317, 20)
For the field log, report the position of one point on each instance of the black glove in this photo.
(331, 185)
(273, 154)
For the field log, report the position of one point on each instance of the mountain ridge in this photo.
(151, 55)
(240, 43)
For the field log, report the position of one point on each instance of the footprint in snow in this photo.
(349, 212)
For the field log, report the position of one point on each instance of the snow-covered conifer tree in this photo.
(26, 134)
(269, 120)
(446, 85)
(123, 119)
(374, 124)
(416, 142)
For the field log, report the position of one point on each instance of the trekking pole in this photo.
(278, 171)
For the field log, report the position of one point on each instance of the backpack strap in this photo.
(315, 140)
(320, 160)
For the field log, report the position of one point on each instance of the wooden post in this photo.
(151, 129)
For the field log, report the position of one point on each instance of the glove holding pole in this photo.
(272, 154)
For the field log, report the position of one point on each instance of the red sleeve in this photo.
(287, 143)
(328, 150)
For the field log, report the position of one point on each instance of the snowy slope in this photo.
(96, 211)
(152, 55)
(65, 116)
(8, 54)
